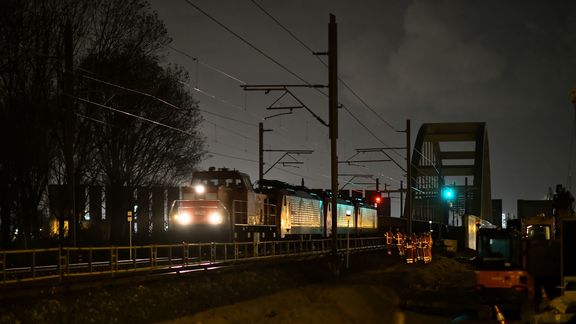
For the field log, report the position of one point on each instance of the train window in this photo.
(246, 182)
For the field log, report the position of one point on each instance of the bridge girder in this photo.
(438, 154)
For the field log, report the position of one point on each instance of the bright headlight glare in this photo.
(200, 189)
(183, 218)
(215, 218)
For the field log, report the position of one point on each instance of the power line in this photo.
(153, 122)
(195, 59)
(374, 135)
(231, 131)
(207, 94)
(232, 157)
(128, 89)
(174, 106)
(160, 99)
(156, 122)
(344, 83)
(283, 27)
(94, 120)
(323, 63)
(247, 42)
(272, 60)
(133, 115)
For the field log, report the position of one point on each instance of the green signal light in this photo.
(448, 193)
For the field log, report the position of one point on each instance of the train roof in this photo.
(219, 173)
(276, 186)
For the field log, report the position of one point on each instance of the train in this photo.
(222, 205)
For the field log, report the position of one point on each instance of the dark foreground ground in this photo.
(376, 289)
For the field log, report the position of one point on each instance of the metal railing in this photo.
(18, 266)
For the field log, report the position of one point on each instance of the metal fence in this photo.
(18, 266)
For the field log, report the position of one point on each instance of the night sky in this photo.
(510, 64)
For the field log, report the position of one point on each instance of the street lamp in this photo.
(348, 214)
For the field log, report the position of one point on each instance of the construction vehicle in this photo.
(502, 279)
(539, 227)
(542, 254)
(501, 273)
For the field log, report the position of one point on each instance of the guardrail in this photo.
(18, 266)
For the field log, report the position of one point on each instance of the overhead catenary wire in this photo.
(231, 131)
(349, 88)
(93, 119)
(152, 122)
(164, 102)
(172, 105)
(345, 85)
(245, 41)
(159, 99)
(193, 58)
(133, 115)
(342, 81)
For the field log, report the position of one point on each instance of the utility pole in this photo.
(69, 132)
(261, 131)
(409, 180)
(402, 200)
(333, 122)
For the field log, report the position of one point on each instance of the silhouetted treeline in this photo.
(117, 48)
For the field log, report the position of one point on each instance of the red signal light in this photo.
(377, 199)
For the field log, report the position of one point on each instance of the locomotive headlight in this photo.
(183, 218)
(215, 218)
(200, 189)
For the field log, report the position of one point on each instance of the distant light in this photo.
(348, 212)
(448, 193)
(429, 222)
(200, 189)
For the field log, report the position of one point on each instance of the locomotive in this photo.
(221, 205)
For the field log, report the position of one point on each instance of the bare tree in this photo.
(132, 151)
(115, 42)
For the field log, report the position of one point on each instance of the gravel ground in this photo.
(376, 289)
(390, 293)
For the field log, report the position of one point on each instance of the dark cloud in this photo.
(508, 63)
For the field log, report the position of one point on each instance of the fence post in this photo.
(184, 254)
(90, 260)
(62, 262)
(113, 259)
(33, 263)
(153, 254)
